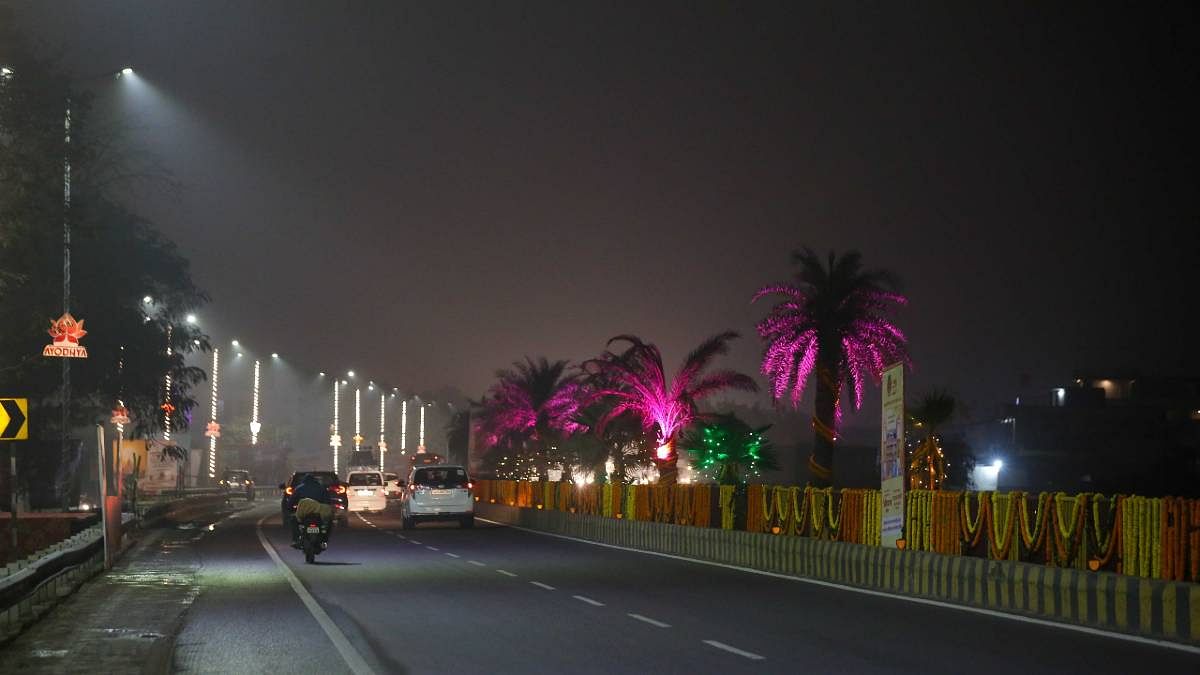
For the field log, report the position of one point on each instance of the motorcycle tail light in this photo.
(341, 489)
(288, 490)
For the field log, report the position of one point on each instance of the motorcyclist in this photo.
(310, 496)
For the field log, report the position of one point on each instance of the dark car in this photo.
(337, 490)
(238, 483)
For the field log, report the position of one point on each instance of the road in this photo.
(494, 599)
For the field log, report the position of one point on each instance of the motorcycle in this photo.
(314, 537)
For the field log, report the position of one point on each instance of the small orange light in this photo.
(1093, 564)
(539, 507)
(901, 544)
(775, 529)
(492, 501)
(619, 515)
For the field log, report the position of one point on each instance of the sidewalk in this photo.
(123, 621)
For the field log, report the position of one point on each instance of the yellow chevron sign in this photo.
(14, 419)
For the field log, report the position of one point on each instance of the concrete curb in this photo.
(1148, 608)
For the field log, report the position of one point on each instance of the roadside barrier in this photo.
(1150, 538)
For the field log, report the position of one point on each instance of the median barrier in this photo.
(1164, 610)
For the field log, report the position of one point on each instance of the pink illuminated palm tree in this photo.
(531, 408)
(635, 381)
(833, 321)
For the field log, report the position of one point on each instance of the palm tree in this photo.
(833, 321)
(927, 469)
(635, 381)
(726, 448)
(530, 409)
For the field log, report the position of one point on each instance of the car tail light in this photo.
(288, 490)
(470, 486)
(412, 487)
(341, 489)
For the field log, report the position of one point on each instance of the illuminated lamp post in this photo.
(213, 431)
(382, 420)
(335, 438)
(255, 425)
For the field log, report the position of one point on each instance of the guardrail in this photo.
(30, 587)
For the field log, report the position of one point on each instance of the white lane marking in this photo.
(869, 591)
(506, 573)
(454, 555)
(353, 659)
(593, 603)
(401, 536)
(541, 585)
(476, 562)
(433, 548)
(415, 542)
(646, 619)
(734, 650)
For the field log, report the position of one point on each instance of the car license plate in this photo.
(313, 529)
(442, 492)
(365, 493)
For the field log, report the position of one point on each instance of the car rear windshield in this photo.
(365, 479)
(326, 478)
(239, 475)
(441, 477)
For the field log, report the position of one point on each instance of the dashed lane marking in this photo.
(652, 622)
(593, 603)
(415, 542)
(476, 562)
(353, 659)
(734, 650)
(506, 573)
(454, 555)
(433, 548)
(541, 585)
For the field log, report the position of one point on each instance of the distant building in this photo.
(1128, 434)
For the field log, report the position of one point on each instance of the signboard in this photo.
(14, 419)
(67, 332)
(891, 456)
(162, 473)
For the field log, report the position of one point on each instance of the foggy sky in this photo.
(426, 193)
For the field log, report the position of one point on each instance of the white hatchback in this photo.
(365, 491)
(438, 492)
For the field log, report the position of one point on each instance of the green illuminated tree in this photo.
(725, 448)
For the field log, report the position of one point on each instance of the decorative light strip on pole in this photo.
(382, 418)
(166, 406)
(403, 426)
(335, 438)
(421, 442)
(255, 427)
(357, 418)
(214, 430)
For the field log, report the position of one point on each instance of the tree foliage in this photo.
(726, 449)
(117, 258)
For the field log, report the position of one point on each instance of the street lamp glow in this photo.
(997, 465)
(350, 373)
(6, 71)
(321, 374)
(147, 300)
(274, 355)
(127, 70)
(236, 343)
(191, 318)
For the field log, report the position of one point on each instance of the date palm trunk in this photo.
(820, 463)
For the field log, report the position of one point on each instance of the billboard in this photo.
(891, 456)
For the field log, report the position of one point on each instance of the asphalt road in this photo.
(439, 599)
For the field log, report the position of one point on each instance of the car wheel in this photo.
(467, 522)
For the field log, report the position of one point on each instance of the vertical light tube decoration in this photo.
(212, 436)
(255, 427)
(403, 426)
(166, 408)
(421, 443)
(382, 418)
(357, 418)
(335, 440)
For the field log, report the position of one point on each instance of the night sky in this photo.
(425, 193)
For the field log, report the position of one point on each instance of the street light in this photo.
(191, 318)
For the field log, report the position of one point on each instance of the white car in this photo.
(365, 491)
(392, 483)
(439, 492)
